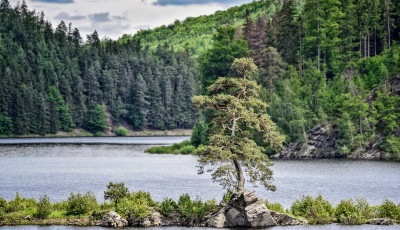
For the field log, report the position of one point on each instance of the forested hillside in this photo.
(196, 34)
(321, 65)
(51, 81)
(331, 62)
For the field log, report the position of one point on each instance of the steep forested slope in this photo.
(320, 65)
(196, 34)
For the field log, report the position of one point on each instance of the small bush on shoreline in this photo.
(98, 134)
(81, 204)
(194, 210)
(121, 131)
(167, 206)
(43, 207)
(276, 207)
(140, 204)
(316, 211)
(226, 197)
(136, 204)
(390, 210)
(351, 213)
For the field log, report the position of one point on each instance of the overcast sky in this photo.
(112, 18)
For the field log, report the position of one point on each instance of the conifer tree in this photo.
(238, 115)
(96, 119)
(6, 126)
(287, 32)
(217, 60)
(139, 104)
(156, 108)
(59, 112)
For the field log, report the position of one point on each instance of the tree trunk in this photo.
(369, 35)
(365, 46)
(240, 176)
(360, 45)
(369, 44)
(300, 53)
(304, 129)
(319, 51)
(388, 24)
(239, 171)
(375, 42)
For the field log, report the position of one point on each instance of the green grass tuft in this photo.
(184, 147)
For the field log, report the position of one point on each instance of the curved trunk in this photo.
(240, 176)
(239, 171)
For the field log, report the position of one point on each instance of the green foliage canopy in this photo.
(96, 121)
(237, 116)
(6, 126)
(116, 192)
(216, 62)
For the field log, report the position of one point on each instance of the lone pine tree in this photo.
(238, 116)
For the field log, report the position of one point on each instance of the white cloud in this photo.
(116, 17)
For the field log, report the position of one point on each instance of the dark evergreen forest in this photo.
(52, 81)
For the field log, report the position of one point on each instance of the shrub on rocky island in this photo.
(43, 207)
(136, 204)
(350, 212)
(139, 206)
(316, 211)
(390, 210)
(276, 207)
(167, 206)
(79, 204)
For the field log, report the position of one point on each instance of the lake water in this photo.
(58, 169)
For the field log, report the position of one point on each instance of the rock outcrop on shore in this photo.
(112, 219)
(321, 143)
(156, 219)
(245, 210)
(381, 221)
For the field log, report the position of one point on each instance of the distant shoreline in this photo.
(130, 133)
(113, 140)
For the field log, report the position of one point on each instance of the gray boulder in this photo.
(381, 221)
(243, 210)
(283, 219)
(155, 219)
(112, 219)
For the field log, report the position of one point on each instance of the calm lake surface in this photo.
(59, 169)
